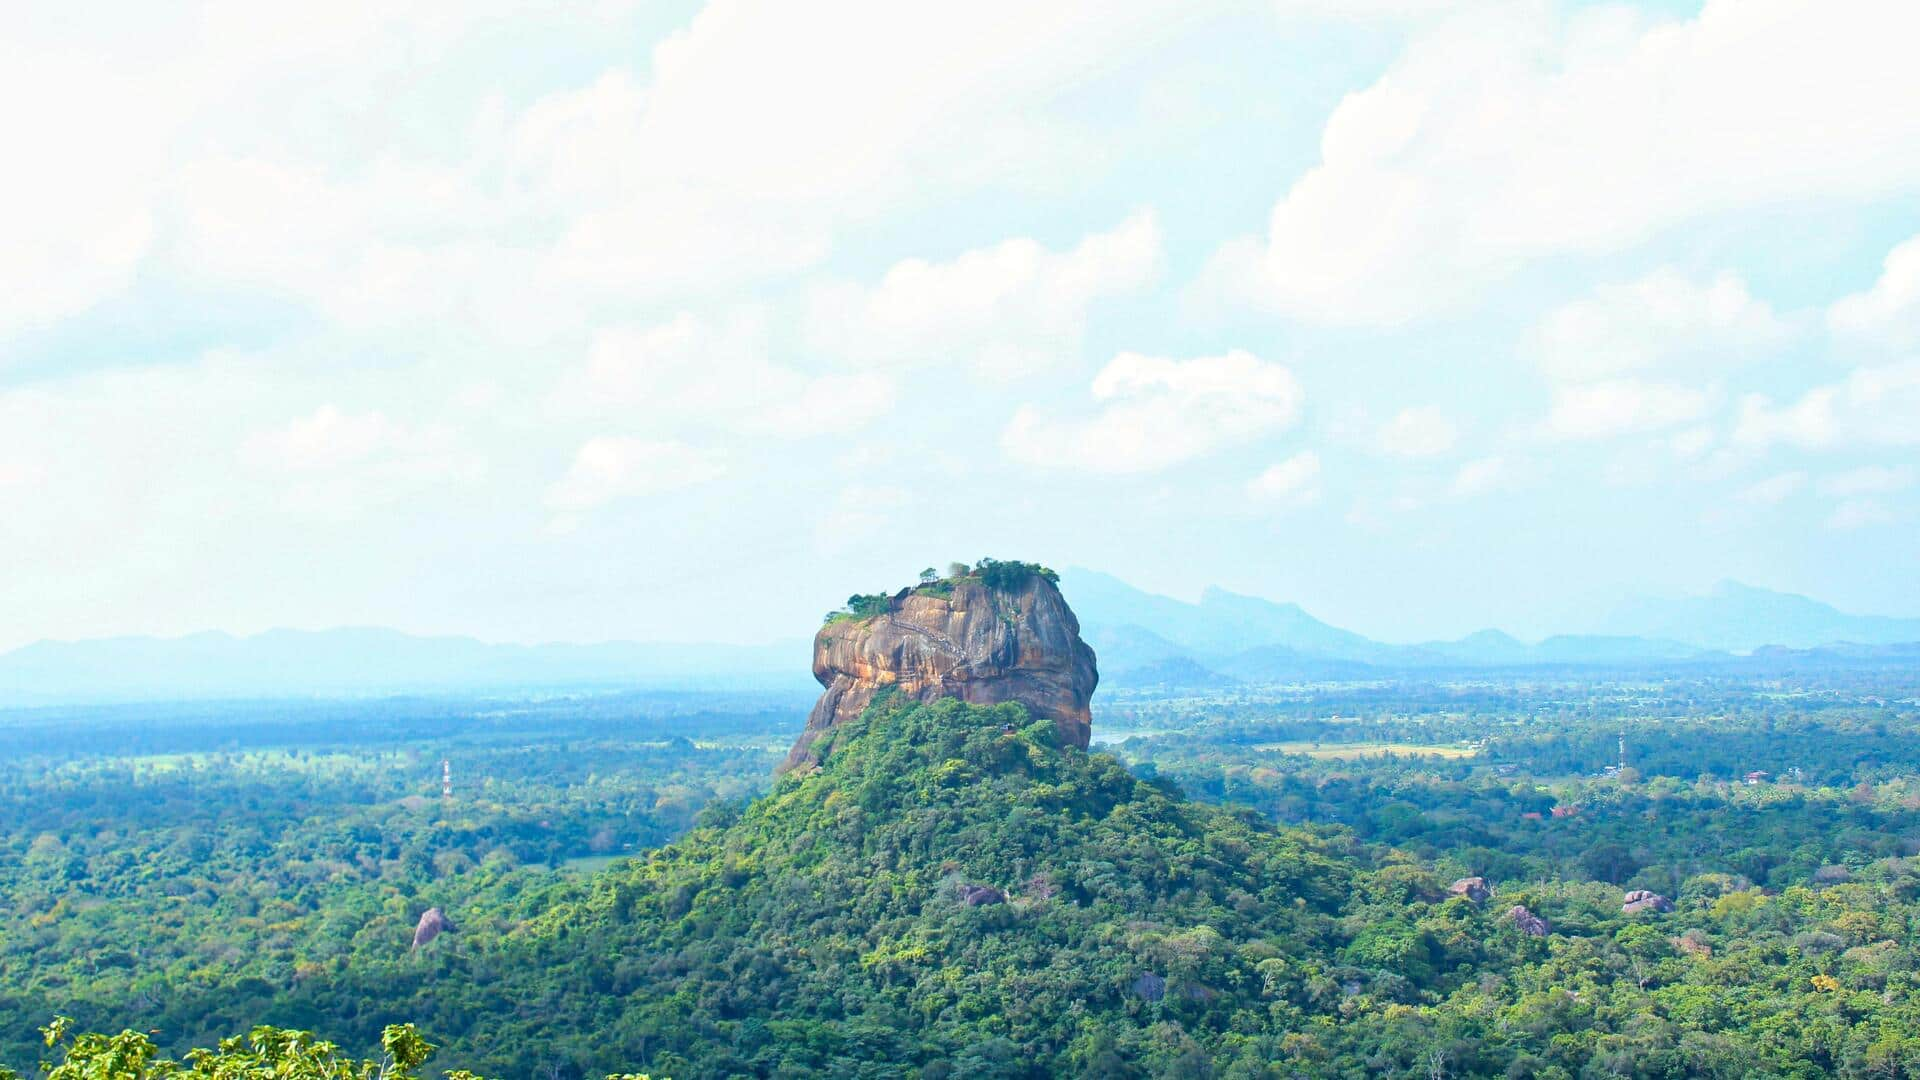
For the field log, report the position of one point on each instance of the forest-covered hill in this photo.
(950, 890)
(944, 896)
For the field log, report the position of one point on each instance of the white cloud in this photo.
(327, 439)
(1870, 480)
(334, 464)
(740, 150)
(1859, 514)
(1659, 323)
(394, 244)
(1774, 489)
(184, 485)
(798, 88)
(619, 467)
(1418, 432)
(829, 404)
(20, 473)
(766, 129)
(1872, 406)
(1888, 313)
(130, 116)
(1479, 476)
(1691, 443)
(479, 272)
(640, 208)
(1614, 356)
(1295, 481)
(1004, 310)
(858, 514)
(689, 371)
(1365, 11)
(1515, 132)
(1622, 406)
(73, 204)
(1157, 412)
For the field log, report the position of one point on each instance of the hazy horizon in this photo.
(487, 320)
(802, 632)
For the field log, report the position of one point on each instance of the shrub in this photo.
(1011, 573)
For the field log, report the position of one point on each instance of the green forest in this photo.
(1249, 884)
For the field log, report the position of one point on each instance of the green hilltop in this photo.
(827, 928)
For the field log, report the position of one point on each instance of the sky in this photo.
(682, 321)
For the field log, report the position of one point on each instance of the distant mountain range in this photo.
(356, 661)
(1147, 639)
(1143, 639)
(1741, 618)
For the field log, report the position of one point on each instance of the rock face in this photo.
(960, 639)
(433, 923)
(1527, 922)
(1641, 900)
(1473, 888)
(978, 895)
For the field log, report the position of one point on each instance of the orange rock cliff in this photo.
(962, 639)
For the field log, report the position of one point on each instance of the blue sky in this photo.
(682, 321)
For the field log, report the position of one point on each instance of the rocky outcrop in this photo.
(1527, 922)
(1473, 888)
(432, 924)
(959, 638)
(980, 895)
(1150, 987)
(1641, 900)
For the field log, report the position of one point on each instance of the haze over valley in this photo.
(1142, 639)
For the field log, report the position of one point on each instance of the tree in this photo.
(1611, 863)
(929, 576)
(262, 1052)
(265, 1053)
(1011, 573)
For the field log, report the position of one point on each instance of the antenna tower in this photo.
(446, 779)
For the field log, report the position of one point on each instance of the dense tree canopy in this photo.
(1258, 885)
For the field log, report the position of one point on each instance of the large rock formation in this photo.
(980, 895)
(1528, 923)
(1473, 888)
(1640, 900)
(433, 923)
(959, 638)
